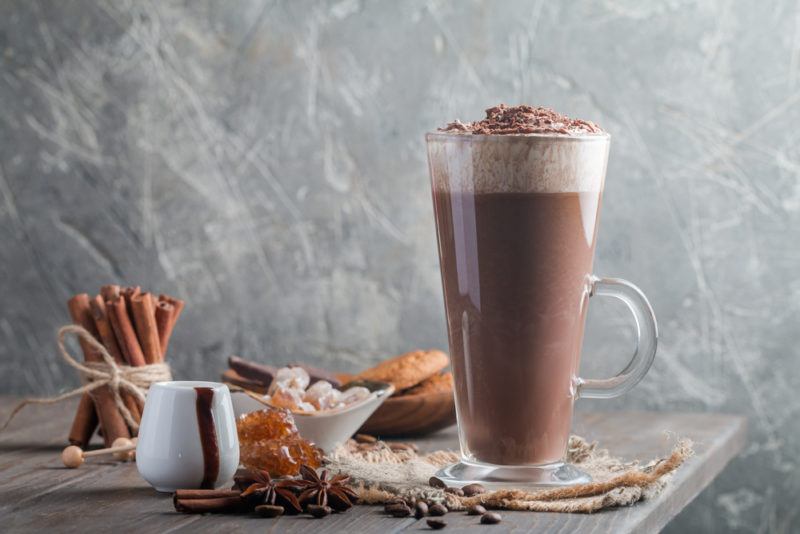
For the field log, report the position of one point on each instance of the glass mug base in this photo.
(512, 476)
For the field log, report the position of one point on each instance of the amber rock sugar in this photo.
(269, 440)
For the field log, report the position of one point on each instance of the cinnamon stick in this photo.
(164, 322)
(176, 302)
(208, 501)
(81, 314)
(257, 372)
(124, 332)
(129, 293)
(144, 319)
(174, 306)
(232, 377)
(85, 421)
(119, 312)
(109, 292)
(111, 420)
(84, 424)
(182, 494)
(220, 505)
(104, 328)
(133, 404)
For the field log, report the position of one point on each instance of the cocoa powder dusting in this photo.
(521, 120)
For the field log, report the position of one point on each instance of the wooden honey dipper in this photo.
(123, 449)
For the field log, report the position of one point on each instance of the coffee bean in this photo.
(476, 509)
(268, 510)
(437, 524)
(436, 482)
(455, 491)
(318, 511)
(365, 438)
(490, 518)
(402, 447)
(420, 509)
(398, 509)
(437, 509)
(471, 490)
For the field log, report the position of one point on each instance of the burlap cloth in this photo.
(381, 475)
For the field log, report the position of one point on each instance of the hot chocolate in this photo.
(516, 200)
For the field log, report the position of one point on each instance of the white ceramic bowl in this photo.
(327, 429)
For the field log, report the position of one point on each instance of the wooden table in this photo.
(38, 494)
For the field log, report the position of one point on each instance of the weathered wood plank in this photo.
(37, 494)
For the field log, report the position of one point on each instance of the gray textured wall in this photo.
(265, 161)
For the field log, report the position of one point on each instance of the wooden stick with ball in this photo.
(123, 449)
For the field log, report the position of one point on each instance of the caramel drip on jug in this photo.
(208, 436)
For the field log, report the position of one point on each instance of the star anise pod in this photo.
(263, 489)
(324, 491)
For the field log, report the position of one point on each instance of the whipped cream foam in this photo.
(517, 164)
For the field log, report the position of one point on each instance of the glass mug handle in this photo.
(646, 340)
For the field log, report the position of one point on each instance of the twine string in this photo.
(108, 373)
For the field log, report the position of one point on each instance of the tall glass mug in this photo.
(516, 219)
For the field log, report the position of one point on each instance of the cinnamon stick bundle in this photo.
(134, 332)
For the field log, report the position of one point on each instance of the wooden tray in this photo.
(412, 415)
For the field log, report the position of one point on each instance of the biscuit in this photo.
(441, 383)
(408, 369)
